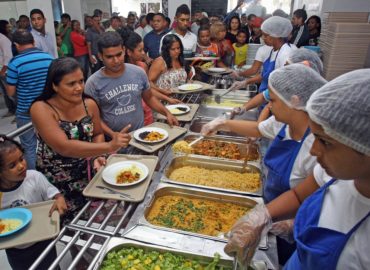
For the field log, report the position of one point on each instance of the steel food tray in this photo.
(247, 149)
(165, 189)
(116, 243)
(212, 164)
(214, 112)
(198, 123)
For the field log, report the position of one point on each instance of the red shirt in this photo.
(79, 44)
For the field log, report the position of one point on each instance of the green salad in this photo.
(138, 259)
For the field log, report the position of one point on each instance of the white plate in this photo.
(149, 129)
(217, 70)
(175, 106)
(110, 173)
(190, 87)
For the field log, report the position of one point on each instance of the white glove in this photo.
(238, 85)
(237, 111)
(213, 126)
(284, 229)
(247, 233)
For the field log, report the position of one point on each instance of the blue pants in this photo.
(29, 143)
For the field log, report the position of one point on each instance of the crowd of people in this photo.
(85, 93)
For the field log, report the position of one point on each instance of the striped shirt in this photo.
(27, 71)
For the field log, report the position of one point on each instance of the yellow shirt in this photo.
(240, 53)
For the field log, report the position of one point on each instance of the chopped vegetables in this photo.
(128, 175)
(132, 258)
(151, 136)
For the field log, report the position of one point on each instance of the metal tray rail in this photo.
(194, 98)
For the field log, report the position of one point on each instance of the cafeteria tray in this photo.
(164, 189)
(41, 227)
(247, 149)
(116, 244)
(211, 164)
(184, 117)
(136, 192)
(214, 112)
(205, 86)
(173, 133)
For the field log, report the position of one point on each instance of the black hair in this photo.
(3, 30)
(7, 145)
(114, 18)
(108, 40)
(23, 37)
(57, 70)
(197, 11)
(168, 20)
(98, 12)
(131, 15)
(232, 18)
(131, 43)
(242, 31)
(204, 21)
(161, 15)
(142, 17)
(95, 16)
(23, 16)
(317, 19)
(167, 42)
(37, 11)
(149, 17)
(183, 9)
(203, 28)
(65, 16)
(251, 16)
(300, 13)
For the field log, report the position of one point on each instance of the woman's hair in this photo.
(3, 30)
(57, 70)
(215, 28)
(131, 42)
(232, 18)
(7, 145)
(167, 43)
(317, 19)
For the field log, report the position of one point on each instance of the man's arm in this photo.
(11, 90)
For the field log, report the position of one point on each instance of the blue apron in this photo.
(268, 67)
(279, 160)
(317, 248)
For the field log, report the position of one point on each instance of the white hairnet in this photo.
(277, 26)
(342, 108)
(294, 84)
(303, 54)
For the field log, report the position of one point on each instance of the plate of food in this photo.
(217, 70)
(14, 219)
(125, 173)
(190, 87)
(178, 109)
(150, 135)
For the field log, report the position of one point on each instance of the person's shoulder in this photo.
(33, 175)
(133, 68)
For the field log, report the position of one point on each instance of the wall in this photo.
(214, 7)
(173, 5)
(313, 7)
(346, 6)
(13, 9)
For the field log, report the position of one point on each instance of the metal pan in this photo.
(187, 192)
(198, 123)
(116, 244)
(212, 164)
(247, 150)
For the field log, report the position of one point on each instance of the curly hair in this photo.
(167, 43)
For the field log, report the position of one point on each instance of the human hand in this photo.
(92, 59)
(213, 126)
(172, 120)
(284, 229)
(237, 111)
(99, 162)
(238, 85)
(120, 139)
(174, 101)
(59, 204)
(234, 74)
(247, 232)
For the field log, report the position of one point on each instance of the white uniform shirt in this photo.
(189, 41)
(304, 162)
(342, 209)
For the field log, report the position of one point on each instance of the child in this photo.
(61, 47)
(19, 186)
(205, 48)
(240, 48)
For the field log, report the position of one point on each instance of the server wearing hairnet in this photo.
(332, 227)
(275, 31)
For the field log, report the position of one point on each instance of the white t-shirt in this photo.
(263, 53)
(189, 41)
(34, 188)
(342, 209)
(304, 162)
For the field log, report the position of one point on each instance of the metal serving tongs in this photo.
(218, 97)
(227, 235)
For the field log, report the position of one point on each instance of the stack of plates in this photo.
(252, 51)
(344, 44)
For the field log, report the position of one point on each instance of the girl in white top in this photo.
(18, 187)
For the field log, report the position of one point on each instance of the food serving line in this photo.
(116, 218)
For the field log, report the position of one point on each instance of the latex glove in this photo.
(284, 229)
(234, 74)
(213, 126)
(247, 233)
(237, 85)
(237, 111)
